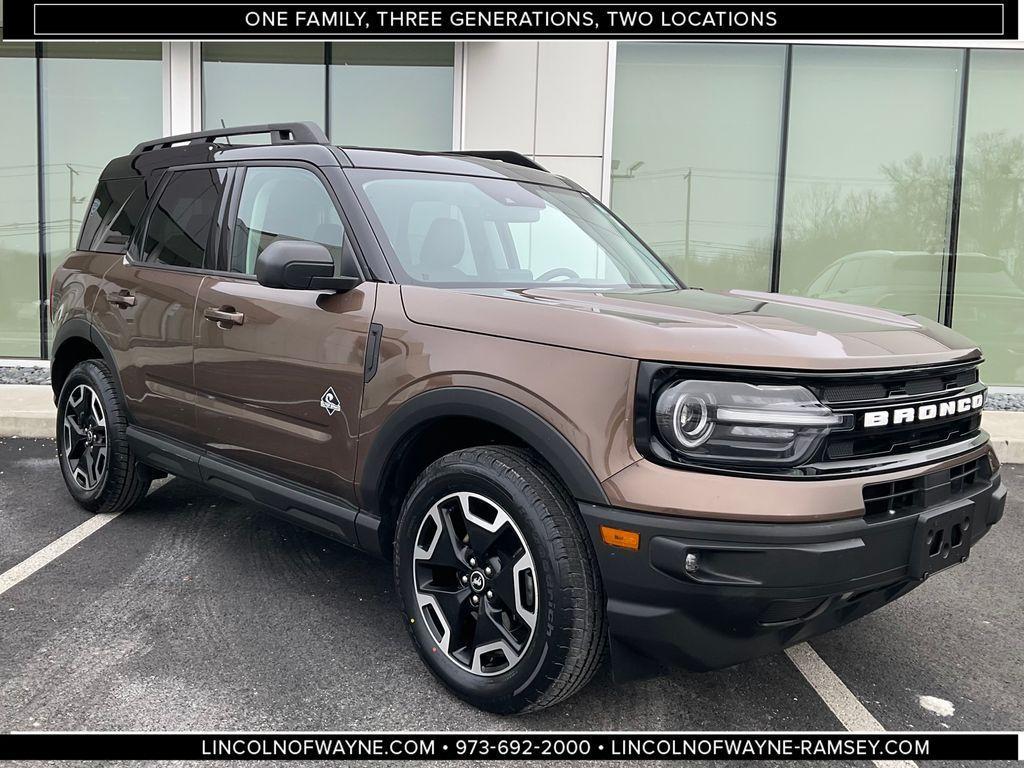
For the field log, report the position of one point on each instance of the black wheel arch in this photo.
(502, 414)
(77, 340)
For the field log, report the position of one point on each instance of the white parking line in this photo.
(53, 550)
(844, 705)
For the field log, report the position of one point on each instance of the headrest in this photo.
(444, 244)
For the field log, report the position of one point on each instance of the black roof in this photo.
(456, 163)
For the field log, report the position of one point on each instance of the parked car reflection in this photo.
(988, 308)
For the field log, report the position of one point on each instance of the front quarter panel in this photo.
(586, 397)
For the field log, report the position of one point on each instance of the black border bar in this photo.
(946, 311)
(508, 747)
(655, 21)
(775, 276)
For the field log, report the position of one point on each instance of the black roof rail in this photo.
(504, 155)
(280, 133)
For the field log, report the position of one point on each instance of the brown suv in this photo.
(469, 365)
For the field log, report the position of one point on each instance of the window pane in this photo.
(392, 94)
(283, 204)
(19, 204)
(696, 155)
(988, 304)
(464, 229)
(254, 83)
(179, 226)
(98, 102)
(869, 176)
(113, 215)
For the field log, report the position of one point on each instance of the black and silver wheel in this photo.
(475, 583)
(85, 437)
(98, 466)
(498, 581)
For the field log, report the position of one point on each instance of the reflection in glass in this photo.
(459, 230)
(392, 94)
(98, 101)
(869, 175)
(256, 83)
(282, 204)
(179, 228)
(695, 156)
(988, 303)
(19, 204)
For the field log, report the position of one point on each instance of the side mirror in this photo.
(300, 265)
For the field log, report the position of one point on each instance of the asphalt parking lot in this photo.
(194, 612)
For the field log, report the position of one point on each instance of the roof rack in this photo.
(280, 133)
(504, 155)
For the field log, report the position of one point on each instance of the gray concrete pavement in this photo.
(195, 612)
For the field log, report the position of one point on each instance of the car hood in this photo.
(738, 328)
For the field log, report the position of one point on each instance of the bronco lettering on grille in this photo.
(911, 414)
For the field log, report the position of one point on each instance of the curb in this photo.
(27, 410)
(22, 425)
(1007, 431)
(1009, 450)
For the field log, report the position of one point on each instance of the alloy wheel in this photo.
(475, 583)
(84, 433)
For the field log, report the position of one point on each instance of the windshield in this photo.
(459, 230)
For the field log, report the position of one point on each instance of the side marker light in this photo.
(616, 537)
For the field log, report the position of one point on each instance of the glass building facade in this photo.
(884, 176)
(880, 175)
(68, 109)
(376, 95)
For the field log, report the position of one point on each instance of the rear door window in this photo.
(181, 222)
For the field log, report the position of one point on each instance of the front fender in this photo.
(481, 404)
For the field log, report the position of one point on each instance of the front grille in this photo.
(907, 388)
(884, 501)
(889, 441)
(898, 385)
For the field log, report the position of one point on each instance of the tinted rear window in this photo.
(113, 215)
(180, 224)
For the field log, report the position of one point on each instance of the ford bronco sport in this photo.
(468, 365)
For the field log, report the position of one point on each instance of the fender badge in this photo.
(330, 402)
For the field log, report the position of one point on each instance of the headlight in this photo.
(723, 422)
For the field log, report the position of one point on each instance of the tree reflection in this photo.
(887, 245)
(909, 210)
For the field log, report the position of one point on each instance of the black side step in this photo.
(326, 515)
(172, 456)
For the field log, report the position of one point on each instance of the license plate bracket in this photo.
(942, 539)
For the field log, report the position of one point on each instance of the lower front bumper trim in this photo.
(705, 594)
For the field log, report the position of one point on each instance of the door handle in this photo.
(122, 299)
(225, 317)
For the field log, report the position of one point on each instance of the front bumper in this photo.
(760, 587)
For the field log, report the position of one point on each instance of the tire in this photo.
(91, 423)
(541, 566)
